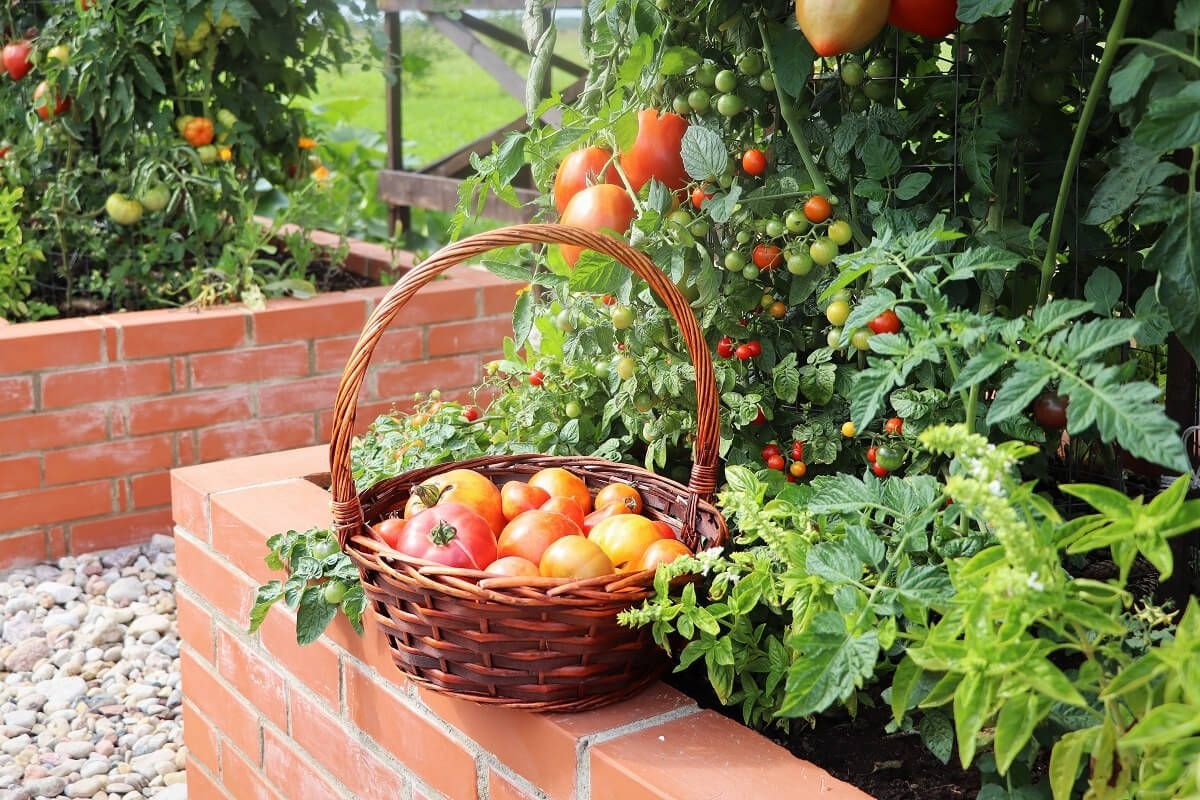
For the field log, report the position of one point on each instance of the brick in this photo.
(292, 770)
(690, 757)
(256, 436)
(151, 489)
(53, 343)
(21, 549)
(243, 520)
(441, 301)
(245, 666)
(170, 332)
(54, 429)
(56, 543)
(333, 314)
(254, 364)
(237, 721)
(16, 394)
(428, 750)
(501, 298)
(20, 473)
(229, 591)
(437, 373)
(246, 782)
(396, 345)
(98, 384)
(193, 410)
(59, 504)
(201, 737)
(468, 337)
(365, 774)
(371, 648)
(110, 459)
(501, 788)
(365, 414)
(309, 394)
(202, 784)
(119, 530)
(195, 625)
(189, 507)
(315, 664)
(179, 373)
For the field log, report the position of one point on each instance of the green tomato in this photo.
(155, 198)
(734, 260)
(795, 221)
(573, 409)
(699, 228)
(323, 548)
(774, 228)
(643, 403)
(767, 82)
(834, 338)
(335, 592)
(853, 73)
(698, 100)
(750, 272)
(859, 102)
(680, 218)
(861, 339)
(123, 209)
(823, 251)
(564, 322)
(881, 67)
(60, 53)
(751, 63)
(840, 232)
(888, 457)
(878, 90)
(706, 74)
(730, 105)
(601, 369)
(725, 81)
(622, 317)
(680, 105)
(626, 367)
(799, 263)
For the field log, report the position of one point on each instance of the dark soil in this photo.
(885, 766)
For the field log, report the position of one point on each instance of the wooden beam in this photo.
(475, 5)
(462, 38)
(441, 194)
(518, 43)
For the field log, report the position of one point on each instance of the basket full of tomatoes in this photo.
(499, 579)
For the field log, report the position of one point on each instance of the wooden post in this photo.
(399, 217)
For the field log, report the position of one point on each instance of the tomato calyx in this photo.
(443, 533)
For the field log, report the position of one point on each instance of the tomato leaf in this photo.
(1134, 170)
(912, 185)
(975, 10)
(522, 318)
(1171, 122)
(977, 150)
(704, 154)
(1177, 257)
(678, 60)
(313, 615)
(938, 735)
(1124, 83)
(1019, 389)
(794, 58)
(1103, 290)
(881, 157)
(268, 594)
(981, 366)
(785, 379)
(1187, 15)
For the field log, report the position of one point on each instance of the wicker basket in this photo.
(544, 644)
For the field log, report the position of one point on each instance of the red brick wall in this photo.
(95, 411)
(267, 718)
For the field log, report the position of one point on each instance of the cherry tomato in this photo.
(775, 462)
(517, 497)
(622, 317)
(755, 348)
(626, 367)
(871, 453)
(198, 131)
(840, 232)
(536, 378)
(837, 312)
(798, 469)
(528, 535)
(600, 207)
(798, 450)
(725, 81)
(861, 339)
(823, 250)
(699, 100)
(609, 299)
(730, 105)
(817, 209)
(1050, 411)
(734, 261)
(450, 534)
(767, 256)
(579, 170)
(725, 347)
(799, 264)
(743, 352)
(471, 413)
(575, 557)
(620, 494)
(887, 322)
(769, 450)
(894, 426)
(853, 73)
(699, 195)
(889, 458)
(656, 152)
(754, 162)
(878, 470)
(848, 429)
(334, 593)
(777, 310)
(833, 339)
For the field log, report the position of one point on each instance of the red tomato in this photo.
(933, 19)
(604, 512)
(43, 109)
(459, 486)
(771, 450)
(16, 58)
(664, 551)
(754, 162)
(531, 533)
(871, 451)
(517, 498)
(389, 530)
(879, 471)
(833, 27)
(450, 534)
(726, 347)
(619, 494)
(755, 348)
(656, 153)
(574, 557)
(559, 482)
(624, 538)
(817, 209)
(743, 352)
(664, 530)
(887, 322)
(537, 377)
(512, 566)
(471, 413)
(1050, 410)
(775, 462)
(894, 426)
(767, 256)
(700, 194)
(600, 207)
(567, 506)
(579, 170)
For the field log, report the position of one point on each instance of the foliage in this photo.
(16, 255)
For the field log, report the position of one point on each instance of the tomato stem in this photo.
(1095, 91)
(1133, 40)
(788, 112)
(443, 533)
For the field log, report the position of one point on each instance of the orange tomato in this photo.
(664, 530)
(389, 530)
(512, 566)
(558, 482)
(531, 533)
(621, 493)
(464, 486)
(600, 514)
(517, 497)
(198, 131)
(624, 538)
(574, 557)
(664, 551)
(567, 506)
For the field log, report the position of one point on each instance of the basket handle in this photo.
(347, 510)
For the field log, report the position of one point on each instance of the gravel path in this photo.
(90, 705)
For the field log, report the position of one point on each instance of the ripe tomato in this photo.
(463, 486)
(123, 209)
(833, 27)
(770, 450)
(754, 162)
(389, 530)
(517, 497)
(726, 347)
(579, 170)
(848, 429)
(16, 58)
(887, 322)
(775, 462)
(624, 538)
(743, 352)
(817, 209)
(700, 194)
(665, 531)
(512, 566)
(933, 19)
(619, 494)
(755, 347)
(559, 482)
(879, 471)
(537, 378)
(600, 514)
(797, 469)
(656, 153)
(1050, 411)
(450, 534)
(198, 131)
(894, 426)
(767, 256)
(600, 207)
(567, 506)
(872, 451)
(574, 557)
(43, 108)
(529, 534)
(664, 551)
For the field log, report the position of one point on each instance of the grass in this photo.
(454, 102)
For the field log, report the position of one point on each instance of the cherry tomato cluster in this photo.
(887, 458)
(772, 456)
(728, 348)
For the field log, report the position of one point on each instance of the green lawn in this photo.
(453, 103)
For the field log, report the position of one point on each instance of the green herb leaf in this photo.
(831, 664)
(938, 735)
(1065, 760)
